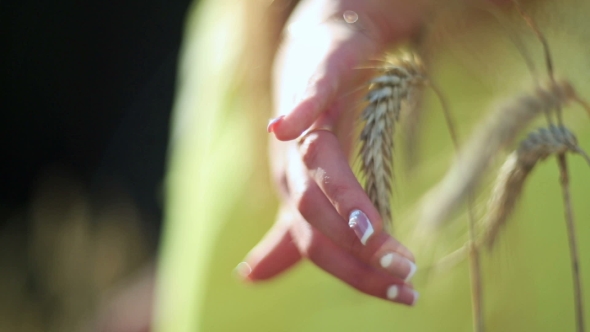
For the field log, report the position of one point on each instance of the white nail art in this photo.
(416, 296)
(413, 269)
(243, 270)
(367, 234)
(392, 292)
(361, 225)
(386, 260)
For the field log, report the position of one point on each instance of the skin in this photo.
(315, 80)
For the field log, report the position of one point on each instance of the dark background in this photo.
(88, 86)
(87, 90)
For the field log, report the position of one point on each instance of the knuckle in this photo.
(400, 249)
(358, 278)
(310, 149)
(283, 184)
(313, 249)
(306, 200)
(354, 246)
(338, 193)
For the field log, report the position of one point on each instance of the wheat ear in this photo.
(385, 98)
(496, 133)
(564, 179)
(387, 93)
(538, 146)
(512, 175)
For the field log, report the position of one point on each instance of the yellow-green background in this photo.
(220, 201)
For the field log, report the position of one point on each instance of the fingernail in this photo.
(413, 269)
(272, 123)
(361, 225)
(392, 292)
(402, 294)
(416, 296)
(394, 262)
(242, 270)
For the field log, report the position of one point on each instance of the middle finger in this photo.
(329, 195)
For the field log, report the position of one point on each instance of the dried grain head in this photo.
(497, 132)
(512, 175)
(408, 62)
(510, 181)
(388, 93)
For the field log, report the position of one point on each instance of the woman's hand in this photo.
(325, 214)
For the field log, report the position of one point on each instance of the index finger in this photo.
(324, 43)
(312, 68)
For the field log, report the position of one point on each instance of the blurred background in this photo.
(218, 209)
(86, 101)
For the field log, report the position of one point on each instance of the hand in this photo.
(325, 215)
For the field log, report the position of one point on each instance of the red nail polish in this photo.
(273, 122)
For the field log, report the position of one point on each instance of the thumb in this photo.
(274, 254)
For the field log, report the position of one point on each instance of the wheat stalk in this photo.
(496, 133)
(499, 131)
(573, 243)
(564, 179)
(388, 93)
(398, 89)
(507, 189)
(399, 86)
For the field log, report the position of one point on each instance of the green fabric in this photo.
(220, 201)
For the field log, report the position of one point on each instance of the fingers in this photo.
(281, 248)
(311, 72)
(346, 267)
(274, 254)
(366, 240)
(328, 166)
(322, 48)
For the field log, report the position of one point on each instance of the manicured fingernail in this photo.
(396, 263)
(242, 270)
(413, 269)
(392, 292)
(361, 225)
(416, 296)
(272, 123)
(402, 294)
